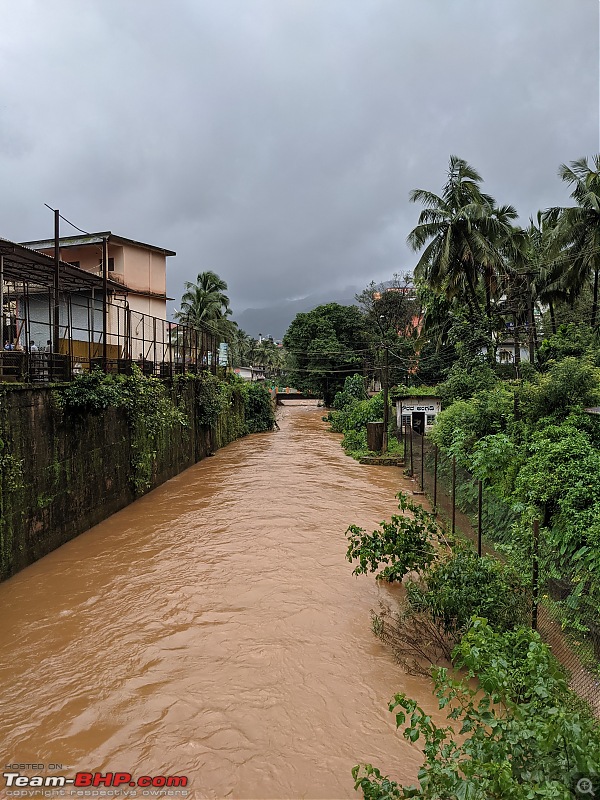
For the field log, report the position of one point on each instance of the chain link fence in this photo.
(567, 618)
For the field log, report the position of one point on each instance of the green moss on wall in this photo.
(72, 455)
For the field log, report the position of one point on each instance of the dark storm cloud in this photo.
(276, 141)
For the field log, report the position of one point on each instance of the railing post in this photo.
(423, 460)
(535, 574)
(411, 450)
(479, 515)
(453, 495)
(435, 469)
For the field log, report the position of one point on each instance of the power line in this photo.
(72, 224)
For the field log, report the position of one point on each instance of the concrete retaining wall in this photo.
(61, 474)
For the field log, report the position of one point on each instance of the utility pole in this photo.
(530, 320)
(56, 318)
(385, 387)
(105, 305)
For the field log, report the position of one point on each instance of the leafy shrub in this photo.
(520, 735)
(464, 382)
(572, 340)
(460, 427)
(355, 442)
(91, 391)
(258, 407)
(462, 585)
(404, 544)
(569, 384)
(354, 389)
(210, 398)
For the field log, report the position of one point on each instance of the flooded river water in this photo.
(213, 629)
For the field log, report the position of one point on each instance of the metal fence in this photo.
(568, 621)
(158, 347)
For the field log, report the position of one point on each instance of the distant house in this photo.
(418, 413)
(250, 373)
(141, 269)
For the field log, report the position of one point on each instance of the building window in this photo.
(111, 265)
(406, 420)
(430, 419)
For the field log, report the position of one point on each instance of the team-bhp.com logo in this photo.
(83, 782)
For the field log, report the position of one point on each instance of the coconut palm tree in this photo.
(204, 301)
(242, 346)
(462, 234)
(204, 304)
(578, 229)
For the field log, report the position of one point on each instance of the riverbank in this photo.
(72, 455)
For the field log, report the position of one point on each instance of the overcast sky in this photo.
(276, 141)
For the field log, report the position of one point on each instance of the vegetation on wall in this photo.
(152, 410)
(11, 480)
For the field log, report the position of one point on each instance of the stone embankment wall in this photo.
(61, 474)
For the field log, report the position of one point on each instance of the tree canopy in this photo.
(323, 347)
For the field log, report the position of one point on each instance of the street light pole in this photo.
(385, 387)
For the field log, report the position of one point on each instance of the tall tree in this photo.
(392, 318)
(579, 228)
(462, 233)
(323, 347)
(205, 303)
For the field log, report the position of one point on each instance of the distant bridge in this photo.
(289, 393)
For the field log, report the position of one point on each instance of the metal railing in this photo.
(158, 347)
(473, 510)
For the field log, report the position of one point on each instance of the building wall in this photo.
(89, 256)
(61, 475)
(144, 269)
(137, 268)
(430, 407)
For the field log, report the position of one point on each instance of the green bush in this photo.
(258, 408)
(403, 544)
(461, 585)
(515, 730)
(354, 389)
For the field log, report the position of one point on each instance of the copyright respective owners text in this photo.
(57, 780)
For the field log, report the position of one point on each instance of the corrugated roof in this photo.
(23, 264)
(95, 238)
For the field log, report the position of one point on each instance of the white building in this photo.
(417, 412)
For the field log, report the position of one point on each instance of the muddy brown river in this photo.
(213, 630)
